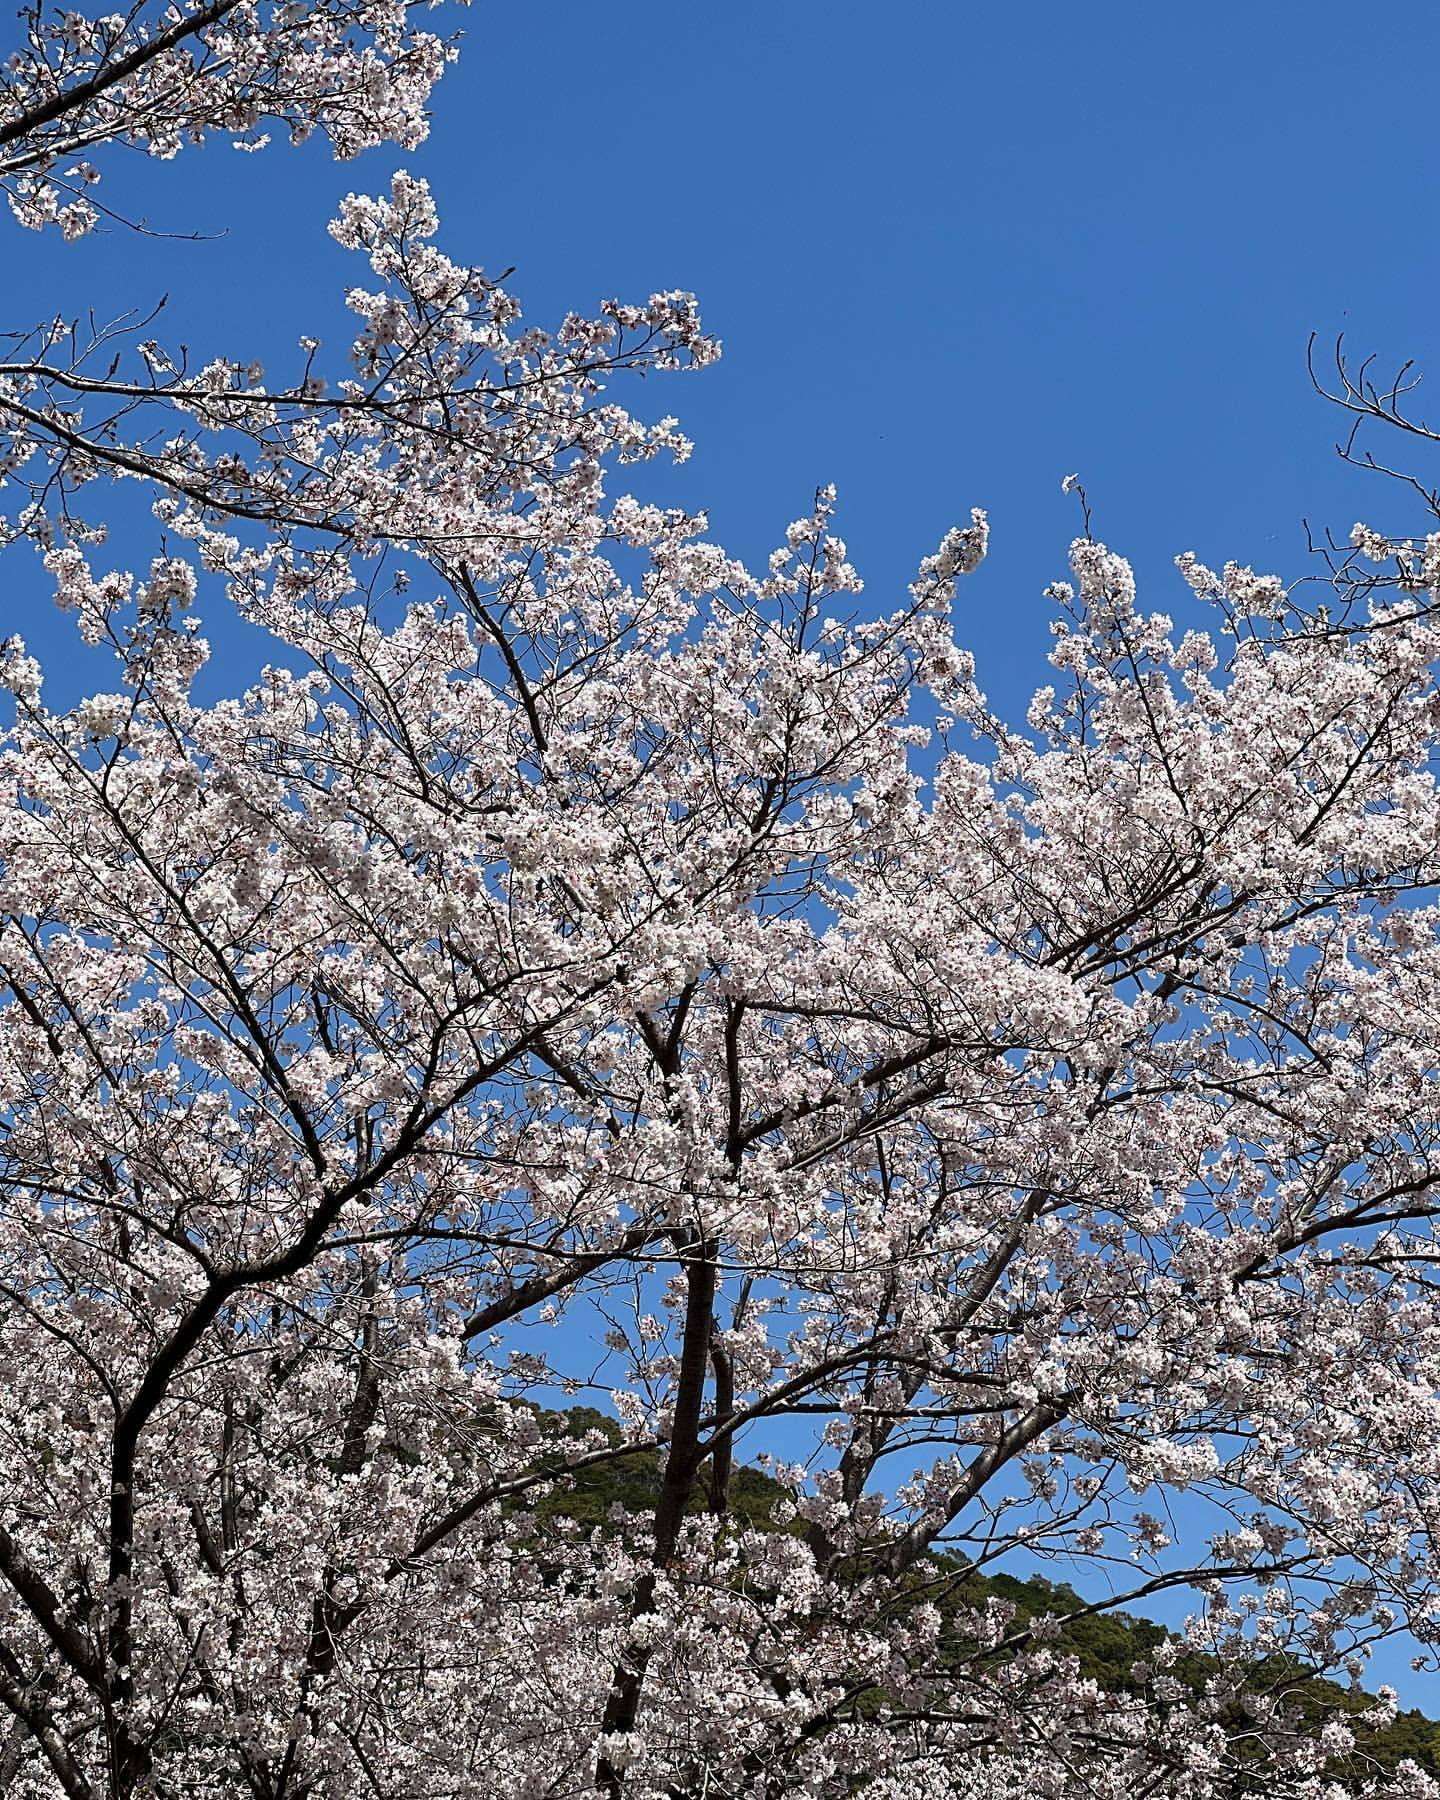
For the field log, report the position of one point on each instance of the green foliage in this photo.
(633, 1482)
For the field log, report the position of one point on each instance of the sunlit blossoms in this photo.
(583, 972)
(160, 77)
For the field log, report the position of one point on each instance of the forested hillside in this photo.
(1109, 1647)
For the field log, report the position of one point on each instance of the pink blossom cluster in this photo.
(159, 77)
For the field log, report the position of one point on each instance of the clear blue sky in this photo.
(955, 252)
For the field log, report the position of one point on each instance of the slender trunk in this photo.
(622, 1705)
(722, 1457)
(130, 1760)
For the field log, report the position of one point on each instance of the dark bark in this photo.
(622, 1706)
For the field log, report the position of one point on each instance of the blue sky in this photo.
(955, 252)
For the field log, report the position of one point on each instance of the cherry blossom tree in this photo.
(582, 967)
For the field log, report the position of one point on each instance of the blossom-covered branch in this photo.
(160, 77)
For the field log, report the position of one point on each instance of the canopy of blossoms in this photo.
(575, 931)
